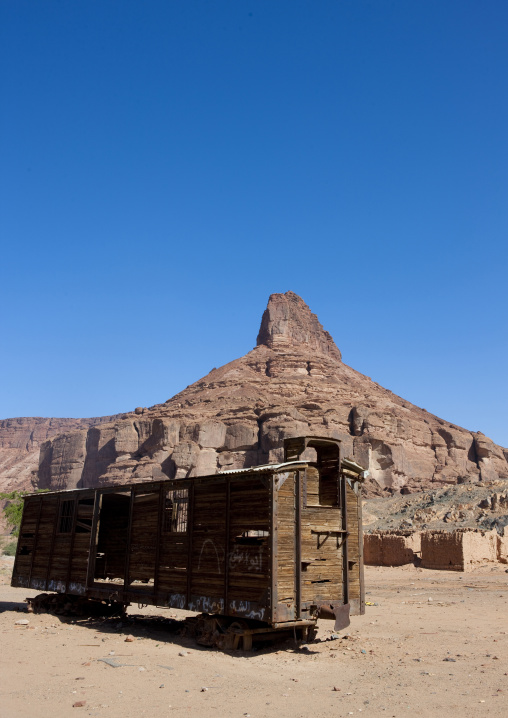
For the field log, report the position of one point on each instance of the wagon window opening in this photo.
(66, 514)
(322, 486)
(251, 537)
(176, 505)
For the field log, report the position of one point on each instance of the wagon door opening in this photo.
(111, 549)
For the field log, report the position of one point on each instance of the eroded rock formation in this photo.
(20, 442)
(293, 382)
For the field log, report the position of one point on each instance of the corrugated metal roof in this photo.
(264, 468)
(348, 464)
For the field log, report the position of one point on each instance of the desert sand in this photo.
(433, 643)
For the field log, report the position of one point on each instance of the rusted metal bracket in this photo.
(339, 534)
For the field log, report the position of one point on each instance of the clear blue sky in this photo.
(166, 165)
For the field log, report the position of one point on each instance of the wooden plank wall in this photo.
(49, 558)
(174, 553)
(321, 555)
(353, 547)
(311, 487)
(249, 569)
(44, 542)
(285, 559)
(144, 535)
(28, 529)
(81, 546)
(208, 540)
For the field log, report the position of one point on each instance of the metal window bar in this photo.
(176, 506)
(66, 517)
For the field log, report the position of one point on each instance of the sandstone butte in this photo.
(292, 383)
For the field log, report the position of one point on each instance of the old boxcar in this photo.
(279, 543)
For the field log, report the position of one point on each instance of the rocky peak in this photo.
(292, 384)
(288, 322)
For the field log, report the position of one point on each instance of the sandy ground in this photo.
(434, 644)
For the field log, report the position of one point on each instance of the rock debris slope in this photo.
(292, 383)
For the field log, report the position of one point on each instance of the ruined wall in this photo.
(460, 550)
(502, 549)
(391, 548)
(442, 550)
(480, 547)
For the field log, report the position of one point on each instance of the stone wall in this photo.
(460, 550)
(391, 548)
(503, 549)
(442, 550)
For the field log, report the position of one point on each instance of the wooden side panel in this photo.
(82, 534)
(311, 492)
(144, 535)
(321, 555)
(249, 545)
(174, 541)
(286, 549)
(26, 542)
(44, 541)
(208, 545)
(173, 564)
(354, 558)
(79, 563)
(60, 559)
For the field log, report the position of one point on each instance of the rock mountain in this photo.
(292, 383)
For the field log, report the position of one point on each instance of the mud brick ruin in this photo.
(459, 550)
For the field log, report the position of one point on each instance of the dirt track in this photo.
(447, 656)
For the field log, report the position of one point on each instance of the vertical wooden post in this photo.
(71, 547)
(162, 494)
(53, 536)
(190, 525)
(360, 548)
(94, 537)
(128, 544)
(274, 548)
(298, 544)
(35, 541)
(226, 545)
(345, 558)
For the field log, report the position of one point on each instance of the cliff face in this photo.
(292, 383)
(20, 442)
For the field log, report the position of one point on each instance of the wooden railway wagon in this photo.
(280, 543)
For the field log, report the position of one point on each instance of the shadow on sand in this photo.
(160, 630)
